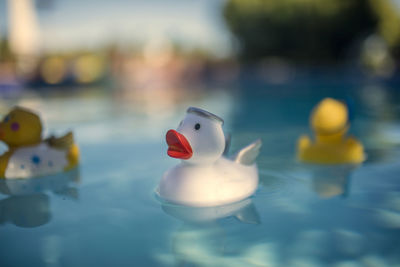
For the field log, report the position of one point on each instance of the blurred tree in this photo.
(5, 52)
(388, 23)
(308, 30)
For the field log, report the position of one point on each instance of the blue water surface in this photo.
(106, 212)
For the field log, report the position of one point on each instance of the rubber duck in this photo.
(205, 177)
(28, 154)
(330, 123)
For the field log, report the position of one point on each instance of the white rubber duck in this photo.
(205, 177)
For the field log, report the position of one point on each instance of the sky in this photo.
(76, 24)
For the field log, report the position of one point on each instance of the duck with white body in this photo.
(205, 177)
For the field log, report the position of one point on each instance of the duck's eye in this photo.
(197, 126)
(15, 126)
(6, 119)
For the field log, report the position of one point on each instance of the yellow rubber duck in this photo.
(28, 154)
(329, 121)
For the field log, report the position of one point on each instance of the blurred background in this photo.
(139, 46)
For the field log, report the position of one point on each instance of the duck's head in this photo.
(330, 118)
(20, 127)
(199, 138)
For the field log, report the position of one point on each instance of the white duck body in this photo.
(36, 160)
(205, 178)
(221, 183)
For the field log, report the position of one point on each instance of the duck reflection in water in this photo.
(27, 201)
(330, 181)
(201, 240)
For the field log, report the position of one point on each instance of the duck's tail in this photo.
(248, 154)
(63, 142)
(66, 142)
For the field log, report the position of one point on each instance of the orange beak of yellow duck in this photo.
(178, 145)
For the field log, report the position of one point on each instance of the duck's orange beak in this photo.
(178, 145)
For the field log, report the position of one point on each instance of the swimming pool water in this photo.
(106, 213)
